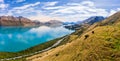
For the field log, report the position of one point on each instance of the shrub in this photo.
(86, 36)
(93, 32)
(56, 54)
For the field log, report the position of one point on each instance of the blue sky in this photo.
(63, 10)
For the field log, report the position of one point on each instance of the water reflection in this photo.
(13, 39)
(7, 30)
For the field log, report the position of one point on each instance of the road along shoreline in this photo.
(22, 56)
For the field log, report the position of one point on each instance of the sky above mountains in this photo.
(64, 10)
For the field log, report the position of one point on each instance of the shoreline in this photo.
(53, 43)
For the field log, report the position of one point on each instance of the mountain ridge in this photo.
(87, 22)
(22, 21)
(15, 21)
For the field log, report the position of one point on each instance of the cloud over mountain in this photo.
(64, 10)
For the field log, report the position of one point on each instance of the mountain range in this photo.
(22, 21)
(93, 19)
(15, 21)
(86, 22)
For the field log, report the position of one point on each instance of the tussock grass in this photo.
(103, 45)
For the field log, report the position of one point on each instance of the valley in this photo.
(96, 39)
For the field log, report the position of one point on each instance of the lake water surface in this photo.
(14, 39)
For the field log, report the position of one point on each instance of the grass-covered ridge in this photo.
(35, 48)
(101, 44)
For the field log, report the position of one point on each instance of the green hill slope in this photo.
(99, 42)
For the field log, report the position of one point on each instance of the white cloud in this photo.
(69, 12)
(2, 1)
(20, 1)
(27, 6)
(24, 10)
(87, 3)
(50, 3)
(77, 11)
(3, 6)
(107, 4)
(52, 8)
(28, 10)
(113, 11)
(44, 18)
(66, 12)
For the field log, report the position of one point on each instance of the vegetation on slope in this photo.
(34, 49)
(101, 44)
(29, 50)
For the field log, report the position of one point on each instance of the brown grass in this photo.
(103, 45)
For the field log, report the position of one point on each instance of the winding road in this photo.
(22, 56)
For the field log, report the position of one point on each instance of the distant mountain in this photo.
(22, 21)
(114, 19)
(79, 22)
(93, 19)
(15, 21)
(38, 23)
(53, 23)
(86, 22)
(67, 23)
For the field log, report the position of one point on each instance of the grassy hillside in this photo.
(100, 42)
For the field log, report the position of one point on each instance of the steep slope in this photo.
(100, 42)
(112, 19)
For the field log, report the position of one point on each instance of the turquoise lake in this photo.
(14, 39)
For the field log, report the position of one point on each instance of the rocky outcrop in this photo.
(15, 21)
